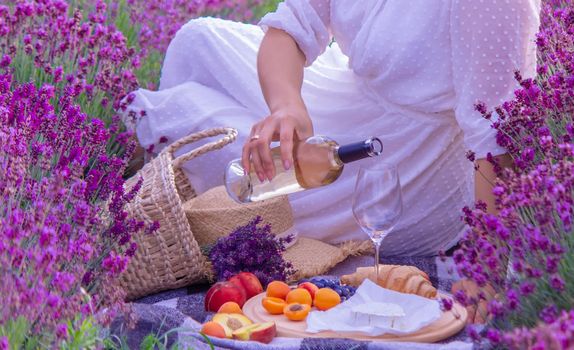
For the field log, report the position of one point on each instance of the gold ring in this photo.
(254, 137)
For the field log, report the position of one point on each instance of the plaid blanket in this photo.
(182, 311)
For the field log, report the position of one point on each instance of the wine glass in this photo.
(377, 202)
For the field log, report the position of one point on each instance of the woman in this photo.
(407, 71)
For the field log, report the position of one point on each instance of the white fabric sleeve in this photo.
(307, 21)
(490, 40)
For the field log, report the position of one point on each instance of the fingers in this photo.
(481, 312)
(477, 312)
(246, 150)
(280, 126)
(265, 151)
(286, 144)
(256, 161)
(256, 152)
(245, 157)
(471, 310)
(249, 158)
(477, 309)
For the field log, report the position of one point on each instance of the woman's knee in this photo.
(186, 54)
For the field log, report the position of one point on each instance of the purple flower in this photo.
(254, 249)
(62, 331)
(493, 336)
(5, 61)
(446, 304)
(557, 283)
(496, 308)
(549, 314)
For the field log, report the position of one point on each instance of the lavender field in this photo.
(66, 71)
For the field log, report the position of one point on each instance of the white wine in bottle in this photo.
(317, 161)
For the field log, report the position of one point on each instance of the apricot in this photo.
(326, 298)
(299, 295)
(213, 329)
(296, 311)
(273, 305)
(278, 289)
(230, 307)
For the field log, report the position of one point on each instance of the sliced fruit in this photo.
(213, 329)
(296, 311)
(244, 332)
(231, 322)
(260, 332)
(273, 305)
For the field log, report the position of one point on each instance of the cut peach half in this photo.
(231, 322)
(261, 332)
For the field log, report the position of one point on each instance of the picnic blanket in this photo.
(182, 312)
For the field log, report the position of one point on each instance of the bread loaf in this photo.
(400, 278)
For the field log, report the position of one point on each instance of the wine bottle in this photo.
(317, 161)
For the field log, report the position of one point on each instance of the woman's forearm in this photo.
(484, 179)
(280, 65)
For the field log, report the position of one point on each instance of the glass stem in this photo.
(377, 248)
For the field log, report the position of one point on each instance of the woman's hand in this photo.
(284, 125)
(280, 65)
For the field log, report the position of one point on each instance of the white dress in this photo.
(407, 71)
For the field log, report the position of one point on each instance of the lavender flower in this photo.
(62, 218)
(525, 252)
(253, 249)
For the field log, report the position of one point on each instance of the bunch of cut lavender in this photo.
(253, 249)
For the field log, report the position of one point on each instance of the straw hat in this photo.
(214, 214)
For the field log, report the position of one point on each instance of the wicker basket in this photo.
(170, 258)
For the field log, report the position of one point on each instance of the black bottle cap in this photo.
(359, 150)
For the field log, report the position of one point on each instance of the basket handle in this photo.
(230, 136)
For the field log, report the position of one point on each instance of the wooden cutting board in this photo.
(449, 324)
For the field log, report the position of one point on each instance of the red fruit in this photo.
(222, 292)
(249, 282)
(311, 288)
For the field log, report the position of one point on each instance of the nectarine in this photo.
(249, 282)
(261, 332)
(310, 287)
(222, 292)
(231, 322)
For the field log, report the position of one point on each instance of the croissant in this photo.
(400, 278)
